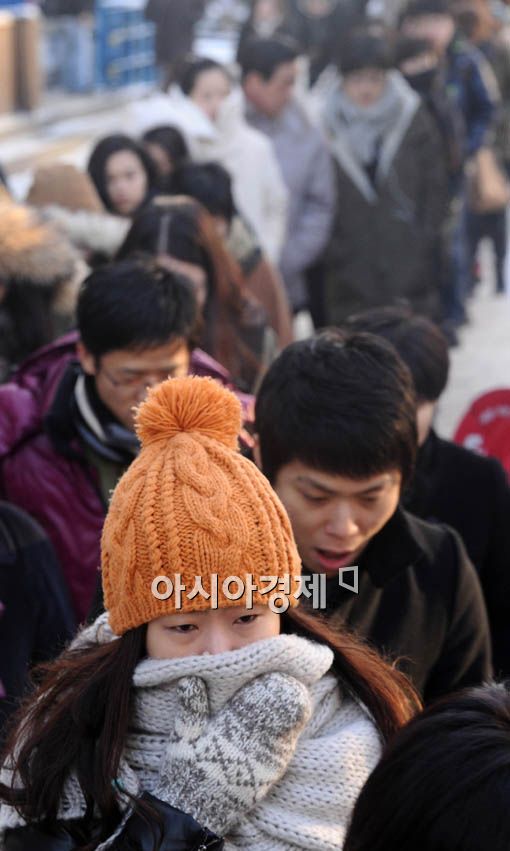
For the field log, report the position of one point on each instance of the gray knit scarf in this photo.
(365, 128)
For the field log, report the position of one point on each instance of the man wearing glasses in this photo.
(67, 418)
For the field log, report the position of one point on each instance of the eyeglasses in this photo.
(132, 382)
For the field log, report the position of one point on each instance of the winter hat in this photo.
(32, 251)
(192, 509)
(64, 185)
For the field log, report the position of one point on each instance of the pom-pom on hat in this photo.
(192, 507)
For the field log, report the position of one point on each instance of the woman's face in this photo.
(210, 632)
(126, 182)
(160, 158)
(195, 274)
(365, 87)
(210, 90)
(267, 10)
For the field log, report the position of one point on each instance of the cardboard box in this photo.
(7, 71)
(28, 71)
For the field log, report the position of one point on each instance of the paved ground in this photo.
(66, 128)
(482, 361)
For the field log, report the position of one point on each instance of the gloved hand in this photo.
(216, 768)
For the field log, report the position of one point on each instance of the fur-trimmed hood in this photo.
(89, 231)
(32, 250)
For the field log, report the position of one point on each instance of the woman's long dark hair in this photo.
(77, 721)
(102, 152)
(180, 227)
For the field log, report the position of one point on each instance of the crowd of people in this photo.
(249, 597)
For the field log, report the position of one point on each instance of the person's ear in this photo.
(87, 360)
(256, 453)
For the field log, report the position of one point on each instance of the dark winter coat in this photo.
(471, 493)
(175, 21)
(180, 832)
(37, 620)
(384, 241)
(471, 84)
(44, 468)
(420, 603)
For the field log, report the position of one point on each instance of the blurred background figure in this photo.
(269, 70)
(70, 44)
(67, 197)
(478, 26)
(473, 89)
(175, 22)
(392, 188)
(322, 28)
(167, 148)
(267, 18)
(36, 616)
(123, 173)
(211, 184)
(181, 234)
(39, 280)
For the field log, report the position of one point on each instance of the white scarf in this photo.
(310, 807)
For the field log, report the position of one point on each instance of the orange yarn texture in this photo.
(191, 505)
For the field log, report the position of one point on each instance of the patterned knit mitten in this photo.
(216, 768)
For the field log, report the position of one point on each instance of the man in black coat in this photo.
(451, 484)
(336, 425)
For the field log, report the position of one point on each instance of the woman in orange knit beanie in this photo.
(203, 709)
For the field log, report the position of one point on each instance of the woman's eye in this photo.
(185, 627)
(246, 619)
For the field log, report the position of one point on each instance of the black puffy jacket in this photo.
(179, 832)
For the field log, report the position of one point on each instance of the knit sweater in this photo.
(310, 807)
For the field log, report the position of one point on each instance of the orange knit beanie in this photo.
(192, 510)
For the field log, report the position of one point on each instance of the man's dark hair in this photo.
(420, 8)
(208, 183)
(443, 781)
(419, 342)
(190, 69)
(364, 50)
(408, 48)
(264, 56)
(340, 402)
(134, 305)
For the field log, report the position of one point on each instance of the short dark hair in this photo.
(102, 152)
(263, 56)
(171, 140)
(208, 183)
(190, 69)
(364, 50)
(134, 305)
(340, 402)
(407, 48)
(421, 8)
(419, 342)
(443, 781)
